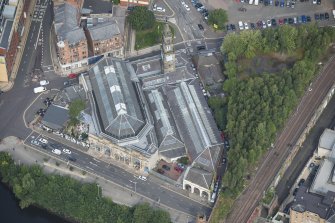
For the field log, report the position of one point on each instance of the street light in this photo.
(134, 182)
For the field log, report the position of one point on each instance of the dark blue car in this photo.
(303, 19)
(282, 3)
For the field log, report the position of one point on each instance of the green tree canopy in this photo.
(218, 17)
(141, 18)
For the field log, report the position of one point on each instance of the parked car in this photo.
(264, 24)
(290, 21)
(233, 27)
(181, 165)
(246, 25)
(295, 191)
(301, 182)
(67, 151)
(56, 151)
(316, 16)
(178, 169)
(44, 146)
(240, 25)
(71, 158)
(165, 167)
(327, 16)
(318, 2)
(35, 142)
(273, 22)
(303, 19)
(44, 82)
(160, 171)
(252, 25)
(322, 16)
(308, 18)
(43, 140)
(280, 21)
(72, 76)
(268, 22)
(224, 160)
(142, 178)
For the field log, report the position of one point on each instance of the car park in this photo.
(293, 5)
(55, 146)
(35, 142)
(277, 3)
(259, 24)
(44, 146)
(67, 151)
(268, 22)
(288, 4)
(43, 140)
(200, 27)
(303, 19)
(280, 21)
(142, 178)
(295, 20)
(282, 3)
(327, 16)
(299, 19)
(233, 27)
(308, 18)
(286, 21)
(252, 25)
(273, 22)
(318, 2)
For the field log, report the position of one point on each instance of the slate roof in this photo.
(116, 99)
(169, 142)
(199, 177)
(305, 201)
(98, 6)
(66, 24)
(193, 117)
(55, 117)
(104, 31)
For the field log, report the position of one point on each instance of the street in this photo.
(149, 189)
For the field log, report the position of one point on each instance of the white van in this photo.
(256, 2)
(213, 197)
(56, 151)
(39, 89)
(251, 2)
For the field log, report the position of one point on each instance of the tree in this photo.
(74, 110)
(287, 38)
(218, 18)
(116, 2)
(141, 18)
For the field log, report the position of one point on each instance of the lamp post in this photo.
(134, 182)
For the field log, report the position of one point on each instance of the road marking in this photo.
(97, 160)
(89, 168)
(93, 164)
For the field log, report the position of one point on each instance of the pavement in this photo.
(249, 199)
(25, 155)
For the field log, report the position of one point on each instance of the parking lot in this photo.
(260, 12)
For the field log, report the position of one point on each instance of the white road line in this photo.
(93, 164)
(89, 168)
(97, 160)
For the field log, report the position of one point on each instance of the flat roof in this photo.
(323, 180)
(327, 139)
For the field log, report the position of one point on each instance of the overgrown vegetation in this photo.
(74, 110)
(69, 198)
(141, 18)
(218, 18)
(259, 104)
(150, 37)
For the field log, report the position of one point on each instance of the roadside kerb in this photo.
(102, 177)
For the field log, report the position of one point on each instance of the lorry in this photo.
(39, 89)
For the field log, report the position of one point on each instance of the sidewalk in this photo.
(8, 86)
(25, 155)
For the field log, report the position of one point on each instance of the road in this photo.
(326, 120)
(149, 188)
(250, 198)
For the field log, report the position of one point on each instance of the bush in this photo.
(218, 18)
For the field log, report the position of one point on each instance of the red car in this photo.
(281, 21)
(72, 76)
(178, 169)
